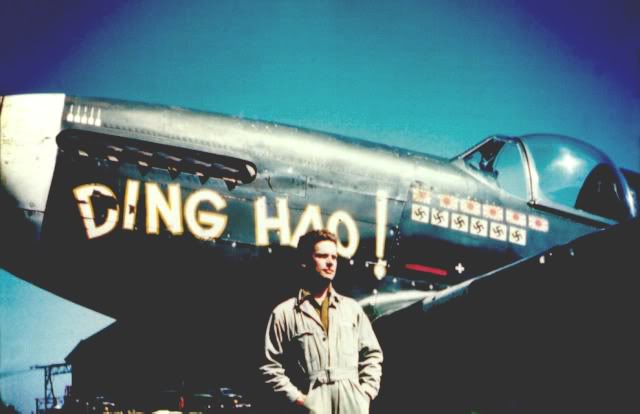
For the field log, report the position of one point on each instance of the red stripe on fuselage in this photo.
(426, 269)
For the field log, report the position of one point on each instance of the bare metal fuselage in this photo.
(107, 201)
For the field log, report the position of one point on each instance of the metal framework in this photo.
(50, 400)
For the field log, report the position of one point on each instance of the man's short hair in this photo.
(309, 240)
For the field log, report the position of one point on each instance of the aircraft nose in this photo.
(29, 125)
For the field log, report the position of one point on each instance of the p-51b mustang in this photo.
(137, 210)
(87, 174)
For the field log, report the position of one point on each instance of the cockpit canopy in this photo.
(553, 171)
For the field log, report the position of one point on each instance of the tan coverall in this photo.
(339, 372)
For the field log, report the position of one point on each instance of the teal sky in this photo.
(37, 328)
(433, 76)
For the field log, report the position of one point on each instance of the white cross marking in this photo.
(459, 268)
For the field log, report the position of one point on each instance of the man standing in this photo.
(321, 352)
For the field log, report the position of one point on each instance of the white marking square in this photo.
(498, 231)
(421, 195)
(479, 227)
(517, 218)
(420, 213)
(517, 235)
(493, 212)
(471, 207)
(439, 217)
(538, 223)
(460, 222)
(448, 202)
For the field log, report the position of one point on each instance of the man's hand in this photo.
(300, 401)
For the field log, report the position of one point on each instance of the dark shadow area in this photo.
(535, 337)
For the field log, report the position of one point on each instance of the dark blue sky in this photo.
(433, 76)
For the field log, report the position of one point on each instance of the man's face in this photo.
(325, 259)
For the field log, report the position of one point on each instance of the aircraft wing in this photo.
(554, 332)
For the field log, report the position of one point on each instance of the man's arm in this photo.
(273, 370)
(370, 362)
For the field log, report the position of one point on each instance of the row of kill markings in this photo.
(472, 217)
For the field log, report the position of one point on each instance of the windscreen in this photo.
(574, 174)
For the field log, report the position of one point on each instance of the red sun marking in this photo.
(493, 212)
(538, 223)
(470, 205)
(516, 216)
(446, 201)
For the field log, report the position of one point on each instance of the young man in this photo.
(321, 352)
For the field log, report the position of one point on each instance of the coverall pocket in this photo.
(306, 345)
(361, 396)
(347, 340)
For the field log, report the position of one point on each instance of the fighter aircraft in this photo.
(140, 210)
(98, 181)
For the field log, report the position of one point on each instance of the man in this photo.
(321, 352)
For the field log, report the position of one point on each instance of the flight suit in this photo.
(339, 372)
